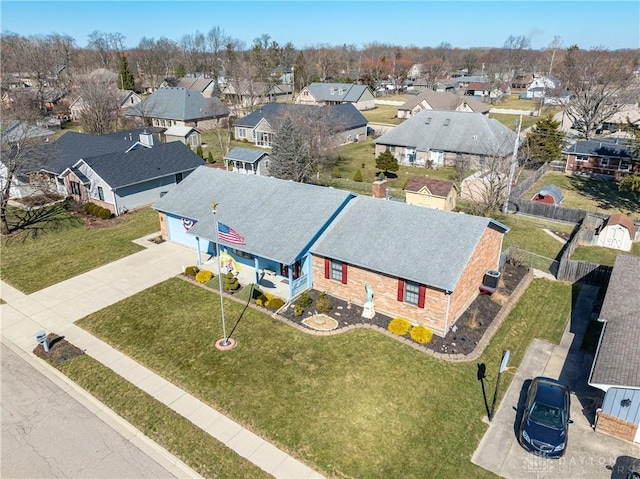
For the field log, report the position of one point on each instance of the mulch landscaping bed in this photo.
(462, 339)
(60, 350)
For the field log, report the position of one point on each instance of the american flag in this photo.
(229, 235)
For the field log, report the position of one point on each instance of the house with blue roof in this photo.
(249, 161)
(322, 94)
(344, 122)
(611, 158)
(424, 265)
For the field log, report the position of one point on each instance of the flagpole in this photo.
(225, 341)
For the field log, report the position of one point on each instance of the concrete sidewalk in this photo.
(55, 309)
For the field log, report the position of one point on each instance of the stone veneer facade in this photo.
(440, 311)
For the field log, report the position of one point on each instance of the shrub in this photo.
(335, 173)
(304, 301)
(399, 326)
(231, 282)
(275, 304)
(204, 276)
(103, 213)
(357, 177)
(199, 151)
(323, 304)
(210, 158)
(191, 270)
(89, 208)
(244, 140)
(263, 299)
(421, 334)
(297, 310)
(405, 183)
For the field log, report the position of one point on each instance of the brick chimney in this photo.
(379, 189)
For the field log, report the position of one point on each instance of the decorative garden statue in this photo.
(369, 290)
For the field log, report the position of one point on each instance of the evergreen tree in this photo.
(126, 80)
(210, 157)
(181, 71)
(357, 177)
(544, 140)
(199, 151)
(387, 162)
(290, 154)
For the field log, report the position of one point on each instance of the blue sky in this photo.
(463, 24)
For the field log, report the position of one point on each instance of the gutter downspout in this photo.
(446, 315)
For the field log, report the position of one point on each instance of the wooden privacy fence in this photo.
(557, 213)
(585, 272)
(519, 190)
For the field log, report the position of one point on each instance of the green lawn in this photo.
(514, 102)
(602, 255)
(590, 194)
(527, 233)
(511, 121)
(178, 435)
(383, 114)
(57, 247)
(357, 404)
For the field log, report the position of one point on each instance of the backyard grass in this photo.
(346, 409)
(602, 255)
(590, 194)
(383, 114)
(516, 103)
(511, 121)
(178, 435)
(63, 247)
(527, 233)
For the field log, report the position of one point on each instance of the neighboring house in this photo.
(521, 80)
(14, 134)
(53, 158)
(431, 100)
(278, 219)
(627, 114)
(206, 86)
(541, 86)
(482, 186)
(260, 127)
(324, 94)
(248, 161)
(250, 93)
(432, 193)
(445, 85)
(609, 158)
(167, 107)
(336, 242)
(126, 99)
(184, 134)
(617, 232)
(548, 194)
(130, 179)
(486, 90)
(616, 366)
(415, 71)
(463, 81)
(439, 138)
(424, 265)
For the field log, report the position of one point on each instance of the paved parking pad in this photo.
(590, 454)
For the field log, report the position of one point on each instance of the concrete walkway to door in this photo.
(56, 308)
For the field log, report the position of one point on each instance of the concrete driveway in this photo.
(590, 454)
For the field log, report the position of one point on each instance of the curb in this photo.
(129, 432)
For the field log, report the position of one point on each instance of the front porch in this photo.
(268, 281)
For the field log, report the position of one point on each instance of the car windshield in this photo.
(548, 416)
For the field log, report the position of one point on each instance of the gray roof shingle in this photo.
(346, 92)
(344, 116)
(617, 360)
(612, 148)
(250, 155)
(435, 245)
(179, 104)
(444, 101)
(452, 131)
(278, 218)
(144, 164)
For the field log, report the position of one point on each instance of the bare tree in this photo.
(599, 87)
(515, 47)
(100, 107)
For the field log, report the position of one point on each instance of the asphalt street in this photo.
(48, 434)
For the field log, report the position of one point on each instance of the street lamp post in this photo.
(224, 342)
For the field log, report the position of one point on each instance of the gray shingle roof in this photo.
(444, 101)
(617, 360)
(72, 146)
(144, 164)
(472, 133)
(424, 245)
(277, 218)
(341, 91)
(249, 155)
(601, 148)
(178, 104)
(344, 116)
